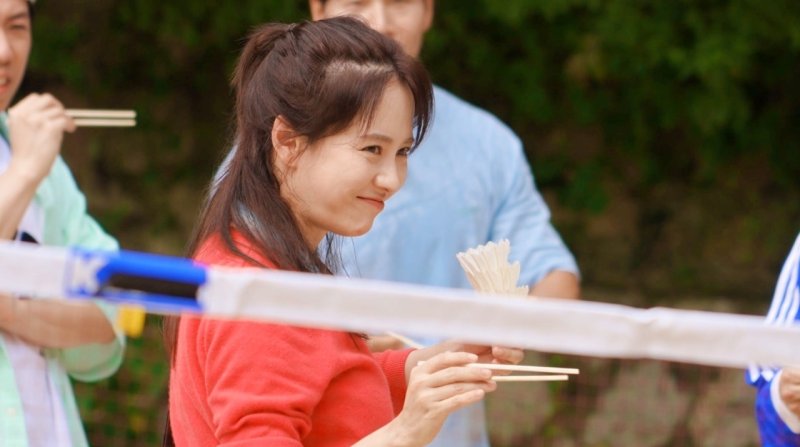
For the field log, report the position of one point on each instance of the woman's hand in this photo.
(438, 387)
(485, 354)
(439, 383)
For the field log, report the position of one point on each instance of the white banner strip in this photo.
(32, 270)
(549, 325)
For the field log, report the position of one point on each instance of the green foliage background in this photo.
(663, 134)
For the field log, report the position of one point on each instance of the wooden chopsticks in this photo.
(552, 373)
(525, 368)
(102, 118)
(549, 373)
(532, 378)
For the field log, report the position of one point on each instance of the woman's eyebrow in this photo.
(385, 138)
(19, 16)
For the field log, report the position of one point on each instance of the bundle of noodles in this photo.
(489, 271)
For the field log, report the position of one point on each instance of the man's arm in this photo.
(55, 323)
(36, 126)
(17, 189)
(90, 349)
(523, 218)
(558, 284)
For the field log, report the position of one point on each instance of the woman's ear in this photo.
(286, 142)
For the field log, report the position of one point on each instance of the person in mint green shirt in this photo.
(44, 342)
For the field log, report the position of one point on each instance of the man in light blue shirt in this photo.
(468, 183)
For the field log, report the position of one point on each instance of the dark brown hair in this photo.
(320, 77)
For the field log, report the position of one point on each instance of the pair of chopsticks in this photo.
(549, 373)
(102, 118)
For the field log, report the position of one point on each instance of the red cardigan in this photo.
(242, 383)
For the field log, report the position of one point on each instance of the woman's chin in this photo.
(353, 231)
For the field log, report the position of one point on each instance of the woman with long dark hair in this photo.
(326, 115)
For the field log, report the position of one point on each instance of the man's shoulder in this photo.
(454, 112)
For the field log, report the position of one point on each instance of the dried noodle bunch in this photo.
(489, 271)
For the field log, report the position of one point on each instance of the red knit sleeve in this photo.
(393, 364)
(263, 381)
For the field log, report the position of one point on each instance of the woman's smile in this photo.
(377, 203)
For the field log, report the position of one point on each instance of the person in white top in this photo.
(43, 340)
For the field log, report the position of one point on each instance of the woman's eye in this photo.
(372, 149)
(404, 152)
(19, 27)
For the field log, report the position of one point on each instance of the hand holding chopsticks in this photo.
(102, 118)
(549, 373)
